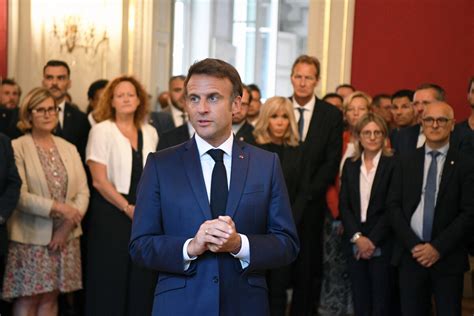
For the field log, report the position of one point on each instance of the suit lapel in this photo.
(416, 175)
(447, 172)
(193, 169)
(414, 138)
(315, 124)
(240, 163)
(67, 120)
(356, 176)
(378, 176)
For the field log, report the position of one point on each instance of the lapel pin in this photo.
(241, 139)
(241, 156)
(452, 162)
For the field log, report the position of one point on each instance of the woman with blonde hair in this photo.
(44, 256)
(116, 153)
(276, 131)
(365, 183)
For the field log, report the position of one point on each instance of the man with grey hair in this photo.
(411, 138)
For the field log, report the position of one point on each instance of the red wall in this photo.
(403, 43)
(3, 37)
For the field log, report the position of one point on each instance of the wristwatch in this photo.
(355, 237)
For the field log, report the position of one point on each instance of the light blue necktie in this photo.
(301, 122)
(430, 196)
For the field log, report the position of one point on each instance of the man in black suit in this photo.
(242, 129)
(412, 137)
(161, 121)
(320, 126)
(73, 124)
(10, 184)
(432, 212)
(176, 104)
(463, 134)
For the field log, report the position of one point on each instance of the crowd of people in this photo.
(380, 196)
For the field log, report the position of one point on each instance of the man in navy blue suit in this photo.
(212, 260)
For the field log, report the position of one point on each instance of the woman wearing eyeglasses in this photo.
(364, 186)
(336, 295)
(44, 253)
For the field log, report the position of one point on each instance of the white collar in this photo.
(375, 161)
(308, 106)
(443, 150)
(62, 105)
(203, 146)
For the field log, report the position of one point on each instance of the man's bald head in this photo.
(438, 123)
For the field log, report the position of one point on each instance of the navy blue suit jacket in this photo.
(172, 203)
(10, 184)
(454, 211)
(405, 140)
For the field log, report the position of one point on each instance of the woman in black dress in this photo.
(116, 152)
(276, 131)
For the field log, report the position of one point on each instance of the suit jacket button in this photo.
(215, 279)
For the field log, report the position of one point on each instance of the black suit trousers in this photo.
(419, 284)
(372, 285)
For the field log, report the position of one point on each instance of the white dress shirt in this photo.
(366, 180)
(207, 165)
(236, 127)
(177, 115)
(307, 113)
(421, 138)
(61, 107)
(416, 221)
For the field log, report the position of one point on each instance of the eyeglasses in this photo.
(440, 121)
(53, 110)
(368, 134)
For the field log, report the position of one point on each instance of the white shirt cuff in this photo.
(186, 258)
(244, 253)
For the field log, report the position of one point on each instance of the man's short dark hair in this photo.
(11, 82)
(310, 60)
(95, 86)
(346, 85)
(404, 93)
(440, 95)
(333, 95)
(57, 63)
(219, 69)
(471, 81)
(254, 87)
(249, 91)
(378, 98)
(180, 77)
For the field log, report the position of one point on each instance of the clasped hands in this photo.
(70, 218)
(217, 235)
(365, 248)
(425, 254)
